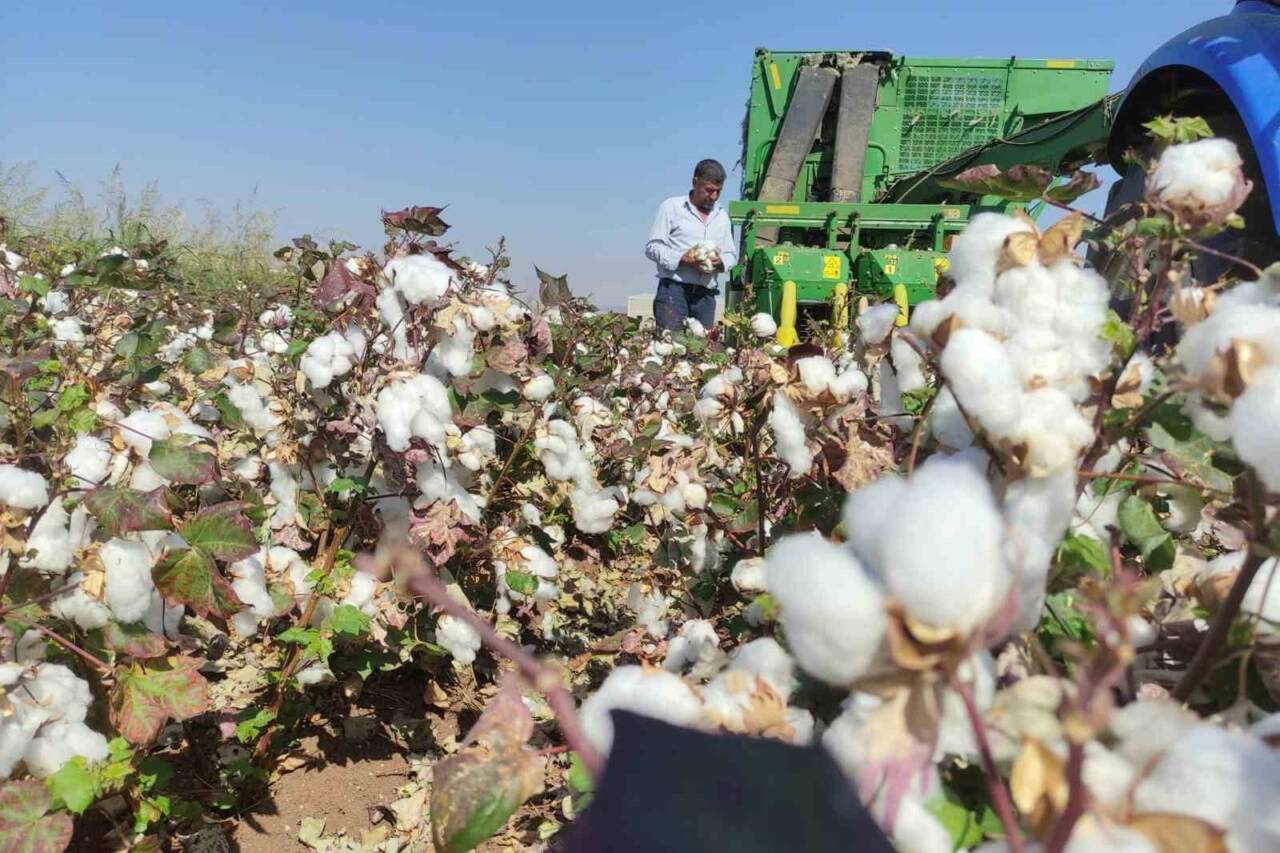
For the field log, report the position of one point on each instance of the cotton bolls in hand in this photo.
(1200, 183)
(832, 612)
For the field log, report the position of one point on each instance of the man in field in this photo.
(691, 243)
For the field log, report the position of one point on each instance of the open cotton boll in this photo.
(763, 325)
(653, 693)
(849, 383)
(817, 373)
(1255, 427)
(361, 593)
(748, 575)
(328, 357)
(67, 332)
(892, 410)
(49, 547)
(79, 607)
(313, 672)
(251, 405)
(453, 353)
(766, 659)
(140, 428)
(284, 488)
(1201, 182)
(413, 407)
(832, 612)
(538, 388)
(391, 310)
(437, 483)
(250, 586)
(419, 278)
(979, 374)
(788, 436)
(944, 565)
(697, 640)
(1053, 431)
(58, 742)
(54, 302)
(594, 509)
(128, 575)
(88, 461)
(695, 328)
(975, 251)
(907, 364)
(22, 489)
(650, 609)
(947, 423)
(865, 514)
(1037, 511)
(877, 322)
(458, 638)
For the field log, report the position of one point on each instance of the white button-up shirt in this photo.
(676, 228)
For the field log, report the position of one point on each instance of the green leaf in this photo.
(348, 619)
(347, 484)
(311, 640)
(72, 397)
(967, 828)
(723, 505)
(522, 582)
(83, 420)
(120, 510)
(44, 418)
(1142, 529)
(151, 810)
(151, 693)
(33, 284)
(1190, 451)
(180, 458)
(231, 415)
(133, 640)
(155, 773)
(1181, 129)
(1081, 556)
(1118, 333)
(251, 728)
(473, 793)
(24, 826)
(223, 533)
(198, 359)
(767, 606)
(191, 578)
(74, 785)
(913, 402)
(296, 348)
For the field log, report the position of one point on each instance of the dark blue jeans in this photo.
(676, 301)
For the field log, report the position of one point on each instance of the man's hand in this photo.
(719, 263)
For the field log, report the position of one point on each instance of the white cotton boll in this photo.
(1258, 324)
(1145, 729)
(947, 422)
(944, 565)
(697, 638)
(1221, 777)
(865, 514)
(162, 617)
(22, 489)
(982, 380)
(788, 436)
(917, 830)
(419, 278)
(54, 302)
(748, 575)
(1262, 598)
(1037, 511)
(88, 461)
(327, 357)
(49, 547)
(891, 407)
(58, 742)
(391, 310)
(413, 407)
(1053, 431)
(975, 251)
(453, 354)
(458, 638)
(650, 608)
(284, 488)
(141, 428)
(129, 585)
(655, 694)
(763, 325)
(313, 672)
(695, 328)
(877, 322)
(493, 380)
(539, 388)
(67, 332)
(361, 593)
(594, 509)
(482, 318)
(848, 384)
(1201, 181)
(145, 478)
(907, 364)
(1255, 427)
(250, 585)
(76, 606)
(708, 409)
(250, 405)
(846, 737)
(767, 660)
(438, 483)
(817, 373)
(832, 612)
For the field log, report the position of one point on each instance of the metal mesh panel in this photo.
(943, 115)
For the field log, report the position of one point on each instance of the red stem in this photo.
(1000, 797)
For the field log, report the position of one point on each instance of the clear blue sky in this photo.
(558, 125)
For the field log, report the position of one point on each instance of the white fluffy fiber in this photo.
(332, 355)
(129, 584)
(561, 454)
(818, 374)
(458, 638)
(416, 407)
(974, 254)
(877, 322)
(594, 508)
(832, 612)
(454, 350)
(1255, 427)
(46, 727)
(763, 325)
(88, 461)
(656, 694)
(22, 489)
(1205, 175)
(51, 546)
(788, 435)
(538, 388)
(419, 278)
(695, 642)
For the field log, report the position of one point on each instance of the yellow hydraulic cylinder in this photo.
(900, 297)
(787, 336)
(840, 307)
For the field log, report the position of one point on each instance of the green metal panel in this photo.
(879, 270)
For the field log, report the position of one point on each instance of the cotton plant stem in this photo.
(1077, 799)
(93, 660)
(917, 432)
(541, 676)
(1000, 796)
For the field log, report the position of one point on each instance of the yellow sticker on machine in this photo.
(793, 209)
(831, 266)
(774, 76)
(1060, 63)
(780, 258)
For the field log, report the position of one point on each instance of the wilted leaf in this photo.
(553, 289)
(1142, 529)
(338, 282)
(1078, 184)
(1018, 183)
(150, 694)
(191, 578)
(1038, 784)
(182, 459)
(473, 794)
(24, 826)
(222, 533)
(198, 359)
(134, 640)
(121, 510)
(417, 220)
(1179, 833)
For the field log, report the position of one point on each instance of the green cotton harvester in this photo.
(847, 159)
